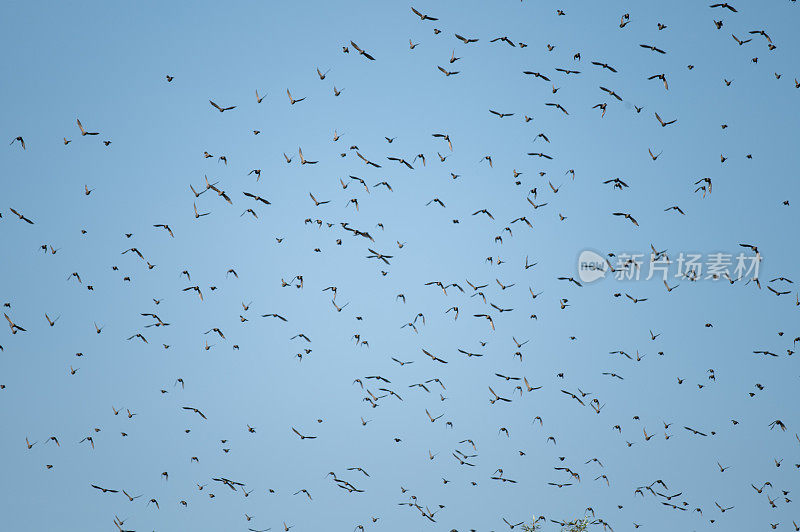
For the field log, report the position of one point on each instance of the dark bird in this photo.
(292, 101)
(421, 16)
(604, 65)
(21, 217)
(196, 411)
(362, 52)
(465, 40)
(303, 437)
(221, 109)
(724, 6)
(104, 490)
(501, 115)
(557, 106)
(627, 216)
(653, 48)
(83, 131)
(664, 124)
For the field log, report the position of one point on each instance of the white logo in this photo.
(591, 266)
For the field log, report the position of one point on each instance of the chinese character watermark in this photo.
(593, 266)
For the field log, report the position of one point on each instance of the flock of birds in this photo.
(414, 388)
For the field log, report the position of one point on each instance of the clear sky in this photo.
(690, 350)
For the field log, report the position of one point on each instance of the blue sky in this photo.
(106, 64)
